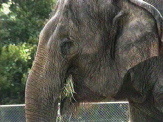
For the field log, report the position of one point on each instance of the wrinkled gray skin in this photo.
(97, 42)
(143, 87)
(156, 3)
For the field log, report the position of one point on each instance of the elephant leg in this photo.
(144, 112)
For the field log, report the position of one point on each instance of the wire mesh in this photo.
(12, 113)
(88, 112)
(100, 112)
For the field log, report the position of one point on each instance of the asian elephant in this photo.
(143, 87)
(98, 43)
(156, 3)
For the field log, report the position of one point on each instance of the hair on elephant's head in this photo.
(94, 41)
(87, 26)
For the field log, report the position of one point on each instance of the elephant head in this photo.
(94, 41)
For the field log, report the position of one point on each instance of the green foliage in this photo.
(15, 61)
(25, 20)
(20, 25)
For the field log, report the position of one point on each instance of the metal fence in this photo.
(100, 112)
(12, 113)
(87, 112)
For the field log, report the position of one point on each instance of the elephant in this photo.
(143, 87)
(156, 3)
(98, 43)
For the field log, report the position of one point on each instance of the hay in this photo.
(68, 90)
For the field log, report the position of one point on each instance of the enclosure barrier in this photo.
(87, 112)
(12, 113)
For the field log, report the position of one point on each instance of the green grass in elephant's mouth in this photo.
(68, 89)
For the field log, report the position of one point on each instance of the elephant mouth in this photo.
(87, 95)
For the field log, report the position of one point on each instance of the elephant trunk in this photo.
(44, 87)
(46, 79)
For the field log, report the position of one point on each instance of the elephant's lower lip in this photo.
(87, 95)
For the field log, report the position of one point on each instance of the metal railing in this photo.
(100, 112)
(12, 113)
(87, 112)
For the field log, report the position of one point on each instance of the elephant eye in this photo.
(65, 47)
(68, 47)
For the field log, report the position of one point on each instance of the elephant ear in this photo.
(156, 14)
(138, 35)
